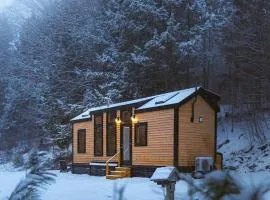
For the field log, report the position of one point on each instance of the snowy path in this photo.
(69, 186)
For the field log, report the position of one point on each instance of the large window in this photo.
(98, 135)
(111, 133)
(126, 116)
(141, 134)
(82, 141)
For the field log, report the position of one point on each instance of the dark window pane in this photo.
(98, 141)
(111, 133)
(141, 134)
(111, 140)
(98, 136)
(98, 119)
(82, 141)
(126, 116)
(111, 117)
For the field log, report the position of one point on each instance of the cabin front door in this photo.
(126, 145)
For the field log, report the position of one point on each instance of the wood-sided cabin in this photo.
(170, 129)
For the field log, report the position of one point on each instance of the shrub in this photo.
(18, 160)
(33, 159)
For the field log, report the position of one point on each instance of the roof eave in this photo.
(81, 120)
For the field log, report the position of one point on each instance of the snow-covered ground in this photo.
(8, 180)
(242, 152)
(70, 186)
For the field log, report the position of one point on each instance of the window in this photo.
(98, 135)
(141, 134)
(126, 116)
(111, 117)
(111, 133)
(82, 141)
(98, 120)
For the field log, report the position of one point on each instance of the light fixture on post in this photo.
(118, 120)
(134, 119)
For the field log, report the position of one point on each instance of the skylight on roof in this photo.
(161, 101)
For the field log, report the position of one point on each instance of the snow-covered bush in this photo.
(17, 160)
(215, 186)
(33, 159)
(220, 185)
(28, 189)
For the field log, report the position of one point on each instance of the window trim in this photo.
(95, 128)
(115, 132)
(78, 146)
(146, 134)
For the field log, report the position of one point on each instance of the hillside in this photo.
(242, 150)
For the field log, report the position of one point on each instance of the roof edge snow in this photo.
(160, 101)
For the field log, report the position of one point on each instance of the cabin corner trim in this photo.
(176, 137)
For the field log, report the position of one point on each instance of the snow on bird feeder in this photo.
(166, 177)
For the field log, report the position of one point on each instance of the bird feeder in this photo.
(167, 178)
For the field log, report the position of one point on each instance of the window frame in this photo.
(146, 134)
(122, 114)
(96, 126)
(108, 124)
(79, 132)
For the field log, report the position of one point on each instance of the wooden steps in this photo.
(119, 172)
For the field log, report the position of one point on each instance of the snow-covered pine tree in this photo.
(246, 52)
(158, 43)
(29, 188)
(226, 186)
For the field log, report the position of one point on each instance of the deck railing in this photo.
(108, 161)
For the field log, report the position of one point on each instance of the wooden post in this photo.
(107, 168)
(170, 188)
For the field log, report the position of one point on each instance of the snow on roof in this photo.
(87, 113)
(163, 173)
(151, 102)
(168, 98)
(84, 115)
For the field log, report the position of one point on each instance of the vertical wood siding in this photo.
(196, 139)
(159, 149)
(89, 155)
(83, 157)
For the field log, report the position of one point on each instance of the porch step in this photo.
(112, 177)
(125, 169)
(120, 172)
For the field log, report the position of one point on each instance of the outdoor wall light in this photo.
(118, 120)
(134, 119)
(200, 120)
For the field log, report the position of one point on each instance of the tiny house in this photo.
(135, 137)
